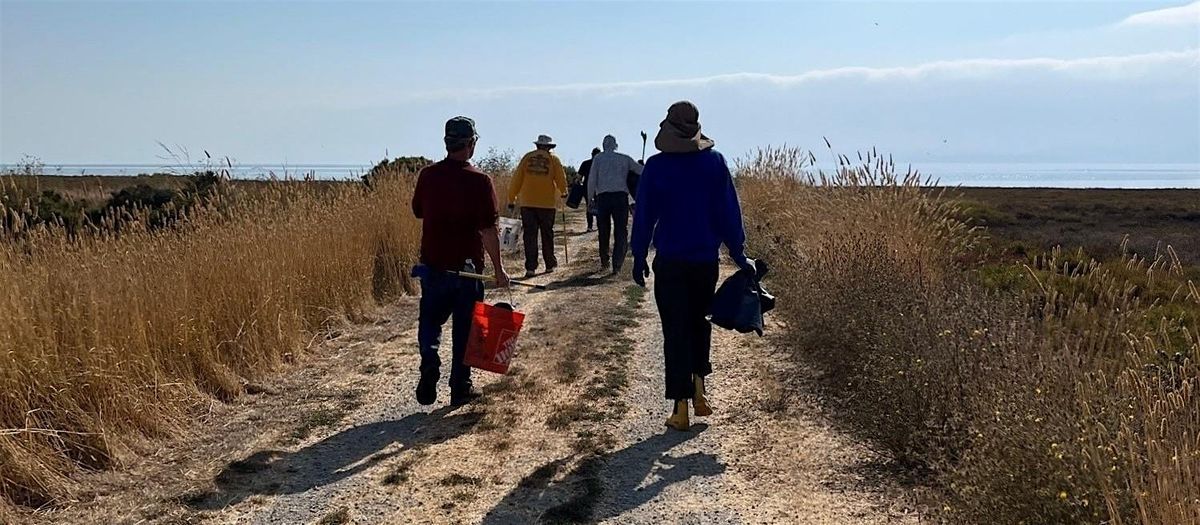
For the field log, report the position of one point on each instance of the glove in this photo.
(641, 271)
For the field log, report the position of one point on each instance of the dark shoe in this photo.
(427, 390)
(464, 397)
(551, 269)
(530, 274)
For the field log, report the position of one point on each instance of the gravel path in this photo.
(757, 459)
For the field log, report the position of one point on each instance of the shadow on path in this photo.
(347, 453)
(625, 480)
(580, 280)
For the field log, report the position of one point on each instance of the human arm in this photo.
(559, 174)
(635, 166)
(518, 179)
(591, 185)
(733, 233)
(645, 218)
(491, 245)
(416, 200)
(490, 235)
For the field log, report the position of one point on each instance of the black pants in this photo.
(684, 293)
(612, 209)
(537, 222)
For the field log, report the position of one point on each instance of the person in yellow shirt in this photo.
(537, 185)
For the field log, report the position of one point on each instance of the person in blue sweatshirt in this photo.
(687, 208)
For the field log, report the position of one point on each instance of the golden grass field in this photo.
(1037, 387)
(115, 335)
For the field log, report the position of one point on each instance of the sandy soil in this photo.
(573, 434)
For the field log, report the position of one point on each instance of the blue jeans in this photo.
(445, 296)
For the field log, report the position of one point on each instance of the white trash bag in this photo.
(510, 234)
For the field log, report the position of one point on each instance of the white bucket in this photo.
(510, 234)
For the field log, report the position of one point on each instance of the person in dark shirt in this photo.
(583, 173)
(687, 207)
(458, 210)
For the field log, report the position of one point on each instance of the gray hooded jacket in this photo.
(610, 170)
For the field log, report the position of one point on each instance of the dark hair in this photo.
(595, 151)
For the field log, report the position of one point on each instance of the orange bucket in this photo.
(494, 331)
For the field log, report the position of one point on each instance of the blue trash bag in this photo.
(741, 301)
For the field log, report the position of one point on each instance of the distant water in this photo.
(1065, 175)
(249, 171)
(948, 174)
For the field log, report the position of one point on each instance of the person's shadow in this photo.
(271, 472)
(580, 280)
(617, 477)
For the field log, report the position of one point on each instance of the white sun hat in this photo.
(544, 140)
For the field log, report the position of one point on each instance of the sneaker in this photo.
(530, 274)
(551, 269)
(427, 390)
(464, 397)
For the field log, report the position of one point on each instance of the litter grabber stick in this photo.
(566, 251)
(643, 146)
(488, 278)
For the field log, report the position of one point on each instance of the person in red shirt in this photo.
(457, 207)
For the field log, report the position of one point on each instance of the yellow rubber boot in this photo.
(679, 419)
(699, 403)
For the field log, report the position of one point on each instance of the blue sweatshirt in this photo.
(687, 205)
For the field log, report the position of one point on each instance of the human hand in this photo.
(745, 263)
(641, 271)
(502, 279)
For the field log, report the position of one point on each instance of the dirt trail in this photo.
(573, 434)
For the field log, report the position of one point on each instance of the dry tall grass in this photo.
(108, 336)
(1073, 400)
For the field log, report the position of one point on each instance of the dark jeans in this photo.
(535, 221)
(445, 296)
(684, 293)
(612, 209)
(591, 217)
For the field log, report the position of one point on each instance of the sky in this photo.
(348, 82)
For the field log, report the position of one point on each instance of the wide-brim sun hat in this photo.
(680, 131)
(544, 140)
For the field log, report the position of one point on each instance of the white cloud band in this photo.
(1107, 66)
(1171, 16)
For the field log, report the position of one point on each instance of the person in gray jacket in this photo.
(608, 190)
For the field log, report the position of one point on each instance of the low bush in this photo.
(1052, 390)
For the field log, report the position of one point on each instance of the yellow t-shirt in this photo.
(538, 181)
